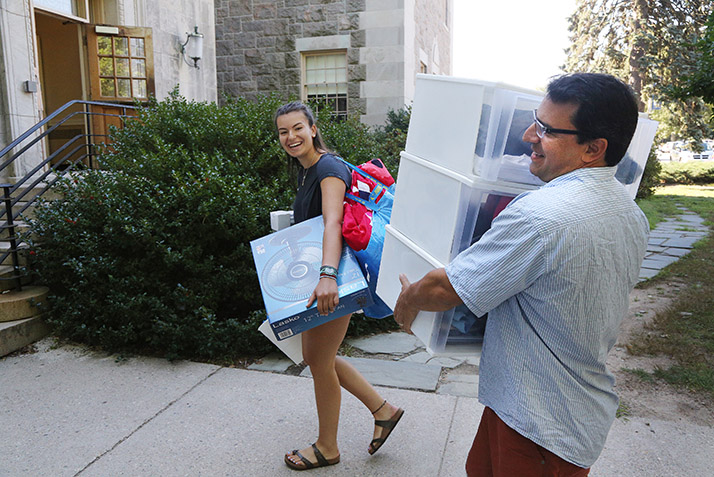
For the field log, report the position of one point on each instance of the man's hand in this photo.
(404, 313)
(432, 293)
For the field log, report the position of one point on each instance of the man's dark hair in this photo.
(607, 108)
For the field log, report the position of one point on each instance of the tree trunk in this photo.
(637, 52)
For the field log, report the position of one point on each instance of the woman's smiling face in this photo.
(295, 133)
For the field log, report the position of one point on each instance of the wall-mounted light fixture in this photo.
(193, 47)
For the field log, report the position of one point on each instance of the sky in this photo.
(519, 42)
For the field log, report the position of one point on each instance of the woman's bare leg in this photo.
(329, 372)
(319, 347)
(357, 385)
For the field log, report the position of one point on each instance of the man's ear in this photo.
(595, 151)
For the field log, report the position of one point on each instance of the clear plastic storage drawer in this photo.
(440, 210)
(453, 332)
(473, 128)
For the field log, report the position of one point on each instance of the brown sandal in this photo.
(387, 428)
(306, 464)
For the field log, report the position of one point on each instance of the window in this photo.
(422, 67)
(120, 63)
(325, 81)
(70, 8)
(122, 67)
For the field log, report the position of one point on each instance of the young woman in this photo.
(322, 181)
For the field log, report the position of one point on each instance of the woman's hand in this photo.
(327, 296)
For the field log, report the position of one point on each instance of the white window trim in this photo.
(303, 70)
(84, 4)
(322, 43)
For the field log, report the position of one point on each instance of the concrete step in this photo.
(20, 228)
(18, 305)
(7, 281)
(23, 250)
(17, 334)
(29, 213)
(50, 194)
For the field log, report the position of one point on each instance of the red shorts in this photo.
(499, 451)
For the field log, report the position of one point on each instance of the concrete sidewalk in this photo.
(72, 412)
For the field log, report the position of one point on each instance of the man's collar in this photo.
(583, 173)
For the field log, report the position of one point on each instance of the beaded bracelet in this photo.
(331, 277)
(328, 270)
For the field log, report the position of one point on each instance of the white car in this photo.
(683, 155)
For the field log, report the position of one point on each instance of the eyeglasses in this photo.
(541, 129)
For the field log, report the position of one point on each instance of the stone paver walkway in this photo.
(672, 239)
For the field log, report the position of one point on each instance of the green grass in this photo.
(684, 331)
(640, 373)
(667, 200)
(623, 411)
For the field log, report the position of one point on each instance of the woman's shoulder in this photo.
(332, 165)
(329, 158)
(331, 162)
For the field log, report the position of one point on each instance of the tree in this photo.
(650, 44)
(701, 81)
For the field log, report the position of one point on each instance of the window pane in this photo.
(138, 68)
(330, 76)
(342, 103)
(137, 47)
(121, 46)
(104, 45)
(124, 88)
(64, 6)
(106, 66)
(122, 66)
(107, 86)
(139, 87)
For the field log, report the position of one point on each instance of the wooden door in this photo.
(120, 63)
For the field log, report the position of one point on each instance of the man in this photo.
(554, 274)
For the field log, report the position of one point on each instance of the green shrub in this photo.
(349, 138)
(392, 137)
(151, 254)
(650, 176)
(692, 172)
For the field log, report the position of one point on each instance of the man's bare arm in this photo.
(432, 293)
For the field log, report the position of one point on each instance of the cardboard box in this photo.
(288, 264)
(291, 347)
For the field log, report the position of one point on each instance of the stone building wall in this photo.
(383, 59)
(258, 44)
(433, 35)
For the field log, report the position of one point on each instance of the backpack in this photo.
(367, 210)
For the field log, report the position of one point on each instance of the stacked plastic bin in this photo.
(464, 161)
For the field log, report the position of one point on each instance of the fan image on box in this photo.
(290, 274)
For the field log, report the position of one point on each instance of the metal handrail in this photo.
(61, 157)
